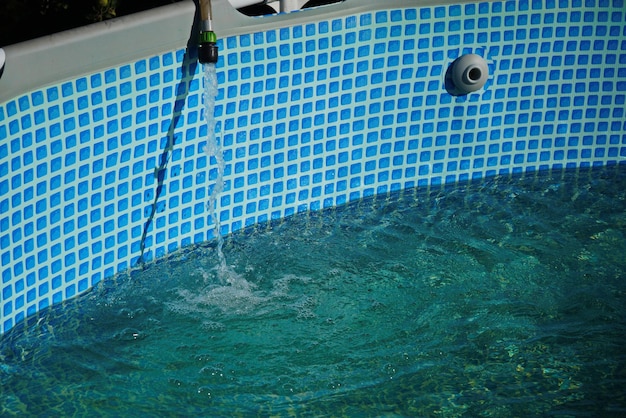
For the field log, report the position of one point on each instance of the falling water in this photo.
(238, 285)
(214, 150)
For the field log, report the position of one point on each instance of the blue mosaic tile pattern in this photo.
(309, 116)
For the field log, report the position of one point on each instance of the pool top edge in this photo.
(58, 57)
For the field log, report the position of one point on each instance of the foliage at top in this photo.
(21, 20)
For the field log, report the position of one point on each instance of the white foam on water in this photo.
(241, 297)
(235, 298)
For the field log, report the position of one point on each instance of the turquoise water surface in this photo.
(502, 298)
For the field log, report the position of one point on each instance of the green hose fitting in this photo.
(207, 50)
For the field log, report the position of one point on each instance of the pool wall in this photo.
(106, 166)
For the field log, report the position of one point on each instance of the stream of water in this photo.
(215, 153)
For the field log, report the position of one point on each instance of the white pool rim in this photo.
(66, 55)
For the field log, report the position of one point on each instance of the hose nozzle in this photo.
(207, 49)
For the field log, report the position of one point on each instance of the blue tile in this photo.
(365, 90)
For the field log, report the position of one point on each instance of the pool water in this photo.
(502, 298)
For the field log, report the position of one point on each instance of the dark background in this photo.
(21, 20)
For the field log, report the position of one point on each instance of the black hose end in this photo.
(207, 53)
